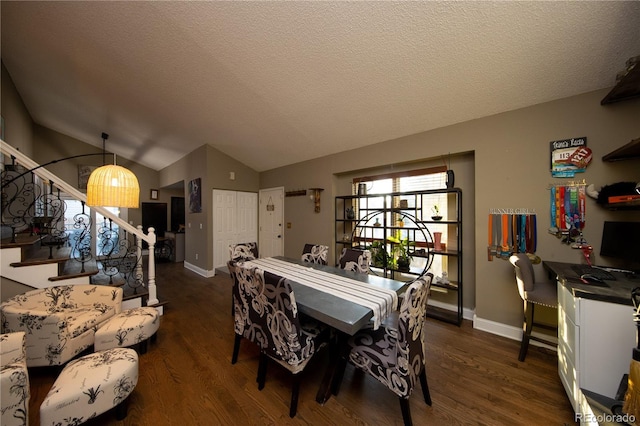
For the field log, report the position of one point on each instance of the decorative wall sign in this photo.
(195, 196)
(154, 194)
(569, 156)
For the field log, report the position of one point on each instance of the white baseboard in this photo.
(510, 332)
(467, 314)
(203, 272)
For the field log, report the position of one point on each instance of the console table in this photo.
(596, 334)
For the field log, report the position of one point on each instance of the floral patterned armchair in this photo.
(315, 253)
(394, 353)
(14, 380)
(60, 321)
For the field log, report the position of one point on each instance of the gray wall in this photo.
(501, 161)
(213, 168)
(509, 168)
(17, 121)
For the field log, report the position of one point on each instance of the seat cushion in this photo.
(544, 293)
(129, 327)
(371, 349)
(89, 386)
(80, 320)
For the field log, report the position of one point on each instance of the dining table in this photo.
(345, 300)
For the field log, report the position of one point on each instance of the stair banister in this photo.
(150, 238)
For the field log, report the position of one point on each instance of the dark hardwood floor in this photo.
(186, 377)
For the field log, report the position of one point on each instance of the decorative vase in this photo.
(437, 240)
(350, 213)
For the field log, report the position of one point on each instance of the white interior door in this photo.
(224, 225)
(246, 217)
(235, 220)
(271, 218)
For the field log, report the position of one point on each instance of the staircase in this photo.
(41, 247)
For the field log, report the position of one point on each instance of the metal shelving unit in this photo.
(372, 221)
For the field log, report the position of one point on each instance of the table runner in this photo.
(381, 301)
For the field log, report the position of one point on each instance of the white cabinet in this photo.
(595, 343)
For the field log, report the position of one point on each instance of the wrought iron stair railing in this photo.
(34, 201)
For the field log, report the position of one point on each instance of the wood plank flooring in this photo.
(186, 377)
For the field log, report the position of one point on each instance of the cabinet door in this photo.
(607, 339)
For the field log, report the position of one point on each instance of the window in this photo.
(409, 181)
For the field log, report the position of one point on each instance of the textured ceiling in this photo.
(275, 83)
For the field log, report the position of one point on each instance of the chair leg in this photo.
(425, 386)
(262, 370)
(526, 330)
(295, 391)
(406, 411)
(236, 349)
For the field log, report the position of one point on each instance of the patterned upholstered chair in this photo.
(394, 353)
(14, 380)
(243, 251)
(532, 293)
(315, 253)
(240, 252)
(355, 260)
(60, 321)
(290, 341)
(246, 321)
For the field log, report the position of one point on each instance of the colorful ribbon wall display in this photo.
(567, 209)
(511, 233)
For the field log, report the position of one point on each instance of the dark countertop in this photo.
(618, 291)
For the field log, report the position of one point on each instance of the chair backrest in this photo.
(315, 253)
(247, 303)
(410, 346)
(355, 260)
(525, 276)
(243, 251)
(281, 320)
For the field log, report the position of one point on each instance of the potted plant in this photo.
(436, 213)
(401, 251)
(379, 254)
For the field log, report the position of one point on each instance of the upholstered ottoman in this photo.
(129, 327)
(91, 385)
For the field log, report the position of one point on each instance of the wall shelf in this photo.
(375, 218)
(626, 152)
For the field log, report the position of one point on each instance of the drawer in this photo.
(569, 304)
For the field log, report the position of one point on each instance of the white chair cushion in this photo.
(90, 385)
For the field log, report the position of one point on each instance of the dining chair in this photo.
(315, 253)
(394, 354)
(291, 342)
(355, 260)
(243, 251)
(245, 319)
(532, 293)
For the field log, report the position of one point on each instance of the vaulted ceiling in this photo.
(275, 83)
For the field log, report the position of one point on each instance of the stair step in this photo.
(22, 240)
(45, 255)
(73, 269)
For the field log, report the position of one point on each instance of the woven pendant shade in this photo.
(113, 186)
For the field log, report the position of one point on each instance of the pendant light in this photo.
(112, 185)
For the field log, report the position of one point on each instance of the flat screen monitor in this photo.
(621, 240)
